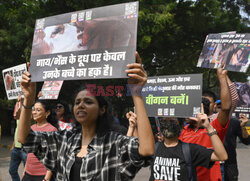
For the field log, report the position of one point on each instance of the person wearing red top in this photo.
(194, 133)
(45, 122)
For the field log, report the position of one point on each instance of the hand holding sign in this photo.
(28, 87)
(88, 44)
(221, 73)
(137, 74)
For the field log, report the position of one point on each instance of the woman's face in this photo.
(59, 110)
(86, 108)
(38, 112)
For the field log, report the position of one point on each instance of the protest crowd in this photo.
(84, 140)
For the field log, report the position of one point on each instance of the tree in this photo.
(173, 30)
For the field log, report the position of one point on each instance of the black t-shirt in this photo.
(233, 131)
(75, 170)
(169, 163)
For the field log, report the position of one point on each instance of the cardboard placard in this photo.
(89, 44)
(12, 77)
(51, 89)
(230, 49)
(173, 96)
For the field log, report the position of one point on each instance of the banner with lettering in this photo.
(12, 77)
(95, 43)
(173, 96)
(243, 106)
(51, 89)
(231, 49)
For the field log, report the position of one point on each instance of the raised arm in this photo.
(18, 107)
(225, 95)
(234, 96)
(29, 91)
(219, 153)
(138, 78)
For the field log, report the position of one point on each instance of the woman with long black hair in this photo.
(91, 151)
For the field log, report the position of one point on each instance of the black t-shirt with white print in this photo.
(169, 163)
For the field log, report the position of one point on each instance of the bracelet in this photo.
(27, 107)
(45, 179)
(212, 133)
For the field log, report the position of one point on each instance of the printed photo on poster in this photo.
(89, 44)
(101, 33)
(243, 106)
(232, 50)
(173, 96)
(51, 89)
(9, 80)
(12, 77)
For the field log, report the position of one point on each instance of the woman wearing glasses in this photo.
(45, 122)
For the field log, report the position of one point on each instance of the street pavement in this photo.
(243, 155)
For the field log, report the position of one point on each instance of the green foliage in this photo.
(145, 42)
(178, 29)
(172, 30)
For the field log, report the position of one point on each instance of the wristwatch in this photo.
(212, 133)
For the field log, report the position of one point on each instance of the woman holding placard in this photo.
(90, 151)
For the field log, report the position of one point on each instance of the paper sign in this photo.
(12, 77)
(51, 89)
(89, 44)
(173, 96)
(233, 50)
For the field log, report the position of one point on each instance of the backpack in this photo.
(187, 156)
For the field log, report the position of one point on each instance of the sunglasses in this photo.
(59, 107)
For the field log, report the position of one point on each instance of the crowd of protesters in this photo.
(87, 144)
(112, 156)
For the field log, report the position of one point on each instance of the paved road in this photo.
(4, 165)
(242, 151)
(243, 156)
